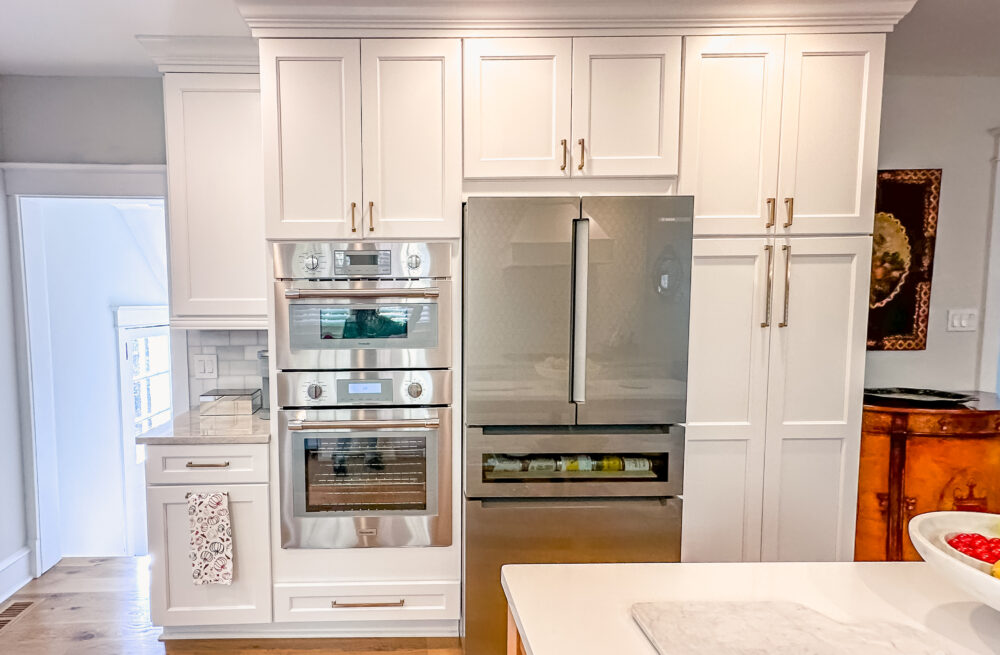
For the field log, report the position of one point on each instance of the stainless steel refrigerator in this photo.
(575, 320)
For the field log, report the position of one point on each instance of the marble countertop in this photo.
(586, 609)
(186, 429)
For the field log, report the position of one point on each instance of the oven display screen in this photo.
(387, 322)
(364, 387)
(361, 260)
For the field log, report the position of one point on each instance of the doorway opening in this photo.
(95, 282)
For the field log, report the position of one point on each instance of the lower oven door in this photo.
(365, 478)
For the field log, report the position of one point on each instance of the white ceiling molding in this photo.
(202, 54)
(286, 17)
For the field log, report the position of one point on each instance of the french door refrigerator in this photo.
(575, 382)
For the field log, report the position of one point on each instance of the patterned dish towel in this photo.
(211, 538)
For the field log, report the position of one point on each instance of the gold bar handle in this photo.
(353, 207)
(563, 144)
(192, 465)
(771, 202)
(579, 166)
(371, 216)
(393, 603)
(770, 286)
(790, 210)
(788, 279)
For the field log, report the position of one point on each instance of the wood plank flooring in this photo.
(85, 606)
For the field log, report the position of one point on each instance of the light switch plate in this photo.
(205, 366)
(963, 320)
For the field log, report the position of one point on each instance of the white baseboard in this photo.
(357, 629)
(15, 572)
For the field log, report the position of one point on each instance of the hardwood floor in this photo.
(86, 606)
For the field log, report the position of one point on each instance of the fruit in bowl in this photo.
(979, 547)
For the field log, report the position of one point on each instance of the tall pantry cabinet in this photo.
(779, 148)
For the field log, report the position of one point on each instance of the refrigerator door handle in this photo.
(578, 338)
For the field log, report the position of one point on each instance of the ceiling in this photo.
(97, 37)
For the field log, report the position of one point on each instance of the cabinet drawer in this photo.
(366, 601)
(209, 464)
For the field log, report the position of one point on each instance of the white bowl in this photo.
(929, 534)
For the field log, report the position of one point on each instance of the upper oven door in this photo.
(363, 324)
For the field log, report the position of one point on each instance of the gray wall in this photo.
(942, 122)
(81, 120)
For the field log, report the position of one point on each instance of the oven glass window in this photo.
(351, 474)
(355, 323)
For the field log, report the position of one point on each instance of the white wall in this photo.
(14, 565)
(942, 122)
(82, 258)
(81, 120)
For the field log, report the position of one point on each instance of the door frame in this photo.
(38, 452)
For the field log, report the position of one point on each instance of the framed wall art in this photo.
(906, 215)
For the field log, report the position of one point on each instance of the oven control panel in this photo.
(362, 388)
(351, 263)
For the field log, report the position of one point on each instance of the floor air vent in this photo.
(11, 612)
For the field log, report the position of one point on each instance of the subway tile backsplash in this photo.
(236, 351)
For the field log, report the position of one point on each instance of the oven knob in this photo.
(414, 390)
(413, 261)
(311, 262)
(314, 391)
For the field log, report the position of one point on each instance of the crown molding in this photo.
(202, 54)
(288, 17)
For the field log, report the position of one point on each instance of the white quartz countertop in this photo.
(185, 429)
(585, 609)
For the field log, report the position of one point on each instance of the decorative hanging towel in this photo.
(211, 538)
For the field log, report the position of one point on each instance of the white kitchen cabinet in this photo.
(814, 400)
(626, 105)
(774, 397)
(780, 134)
(215, 204)
(174, 598)
(727, 399)
(829, 133)
(412, 137)
(362, 138)
(731, 131)
(311, 113)
(518, 94)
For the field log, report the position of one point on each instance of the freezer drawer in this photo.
(570, 531)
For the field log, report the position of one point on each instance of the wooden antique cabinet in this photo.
(916, 460)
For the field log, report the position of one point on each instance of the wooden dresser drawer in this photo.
(366, 601)
(208, 464)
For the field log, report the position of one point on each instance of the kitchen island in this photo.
(585, 609)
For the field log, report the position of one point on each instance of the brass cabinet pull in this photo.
(395, 603)
(788, 279)
(579, 166)
(770, 286)
(371, 216)
(192, 465)
(770, 212)
(563, 144)
(353, 206)
(790, 210)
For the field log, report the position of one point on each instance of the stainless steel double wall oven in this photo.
(363, 351)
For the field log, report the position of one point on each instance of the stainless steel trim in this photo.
(338, 605)
(193, 465)
(788, 281)
(769, 249)
(771, 202)
(790, 209)
(296, 425)
(578, 339)
(435, 387)
(296, 294)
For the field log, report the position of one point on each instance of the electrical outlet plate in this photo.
(963, 320)
(206, 367)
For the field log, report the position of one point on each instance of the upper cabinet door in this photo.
(311, 96)
(517, 107)
(217, 255)
(816, 384)
(732, 123)
(412, 107)
(626, 106)
(829, 135)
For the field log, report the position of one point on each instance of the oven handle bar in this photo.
(295, 294)
(378, 424)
